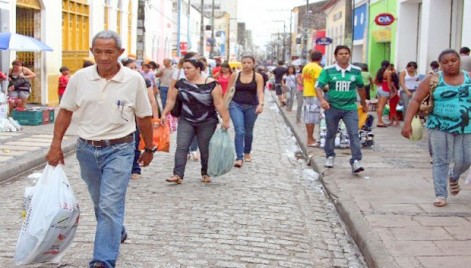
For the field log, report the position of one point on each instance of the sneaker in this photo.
(135, 176)
(329, 163)
(98, 264)
(124, 235)
(356, 167)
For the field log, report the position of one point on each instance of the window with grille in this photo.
(75, 33)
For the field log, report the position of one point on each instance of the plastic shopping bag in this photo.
(51, 220)
(361, 117)
(161, 136)
(417, 129)
(221, 153)
(173, 123)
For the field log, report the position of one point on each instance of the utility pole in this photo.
(290, 35)
(179, 15)
(306, 24)
(141, 30)
(211, 52)
(348, 38)
(283, 57)
(202, 29)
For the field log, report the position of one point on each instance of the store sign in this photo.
(384, 19)
(382, 35)
(323, 41)
(183, 48)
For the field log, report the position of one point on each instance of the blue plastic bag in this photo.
(221, 153)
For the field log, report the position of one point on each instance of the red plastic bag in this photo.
(161, 136)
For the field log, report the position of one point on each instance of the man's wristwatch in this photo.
(150, 150)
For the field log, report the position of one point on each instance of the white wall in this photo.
(466, 31)
(407, 34)
(435, 31)
(51, 34)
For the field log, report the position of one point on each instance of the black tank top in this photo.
(246, 93)
(197, 101)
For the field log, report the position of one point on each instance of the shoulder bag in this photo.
(177, 107)
(230, 93)
(426, 107)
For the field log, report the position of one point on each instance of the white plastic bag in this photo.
(417, 129)
(221, 153)
(51, 220)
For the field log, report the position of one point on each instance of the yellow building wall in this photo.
(52, 85)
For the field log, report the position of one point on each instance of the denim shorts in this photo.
(278, 89)
(19, 94)
(381, 93)
(312, 110)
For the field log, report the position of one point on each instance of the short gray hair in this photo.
(108, 34)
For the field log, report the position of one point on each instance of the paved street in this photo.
(272, 212)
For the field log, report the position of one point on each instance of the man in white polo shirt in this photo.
(109, 97)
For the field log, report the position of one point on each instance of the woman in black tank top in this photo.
(246, 104)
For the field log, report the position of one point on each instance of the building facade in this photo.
(427, 27)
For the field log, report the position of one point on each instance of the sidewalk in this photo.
(26, 149)
(388, 208)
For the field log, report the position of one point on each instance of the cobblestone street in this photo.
(272, 212)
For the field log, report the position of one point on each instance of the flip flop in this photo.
(315, 144)
(381, 125)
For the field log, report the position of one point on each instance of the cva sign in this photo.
(384, 19)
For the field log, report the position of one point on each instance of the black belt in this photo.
(105, 143)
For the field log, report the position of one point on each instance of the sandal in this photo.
(440, 202)
(238, 163)
(206, 179)
(175, 179)
(454, 187)
(315, 144)
(247, 158)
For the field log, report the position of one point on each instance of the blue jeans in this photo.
(448, 148)
(185, 132)
(163, 96)
(136, 169)
(350, 119)
(243, 117)
(106, 171)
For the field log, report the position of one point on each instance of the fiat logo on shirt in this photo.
(384, 19)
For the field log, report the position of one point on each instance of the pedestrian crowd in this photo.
(134, 101)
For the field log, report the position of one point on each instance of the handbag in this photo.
(426, 107)
(21, 84)
(177, 107)
(231, 91)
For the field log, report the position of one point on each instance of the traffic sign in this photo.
(323, 41)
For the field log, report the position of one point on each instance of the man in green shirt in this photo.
(343, 79)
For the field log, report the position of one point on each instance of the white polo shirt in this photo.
(107, 107)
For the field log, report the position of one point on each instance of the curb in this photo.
(33, 161)
(369, 244)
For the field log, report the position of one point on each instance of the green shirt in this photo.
(343, 84)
